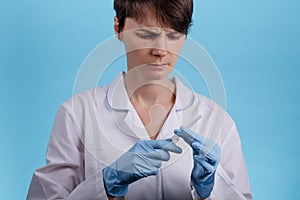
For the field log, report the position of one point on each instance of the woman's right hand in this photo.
(142, 160)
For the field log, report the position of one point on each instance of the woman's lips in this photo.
(159, 65)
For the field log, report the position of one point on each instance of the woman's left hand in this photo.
(206, 155)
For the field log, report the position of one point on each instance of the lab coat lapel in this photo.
(187, 106)
(184, 112)
(117, 97)
(124, 113)
(171, 123)
(135, 125)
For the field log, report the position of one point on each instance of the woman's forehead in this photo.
(148, 24)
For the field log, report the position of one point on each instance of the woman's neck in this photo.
(153, 101)
(147, 93)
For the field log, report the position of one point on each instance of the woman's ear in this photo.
(116, 28)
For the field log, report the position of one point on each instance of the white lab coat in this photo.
(94, 128)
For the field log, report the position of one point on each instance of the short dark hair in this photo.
(174, 14)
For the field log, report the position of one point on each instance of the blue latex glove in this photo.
(206, 156)
(142, 160)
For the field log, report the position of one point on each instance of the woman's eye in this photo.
(174, 37)
(146, 36)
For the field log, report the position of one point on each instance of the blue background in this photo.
(255, 44)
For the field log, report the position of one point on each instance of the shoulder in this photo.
(81, 108)
(86, 98)
(80, 105)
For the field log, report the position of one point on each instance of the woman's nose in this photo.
(159, 52)
(159, 47)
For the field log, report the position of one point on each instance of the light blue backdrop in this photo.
(255, 44)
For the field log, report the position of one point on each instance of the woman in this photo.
(116, 141)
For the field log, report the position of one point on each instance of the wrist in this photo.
(203, 188)
(110, 197)
(112, 184)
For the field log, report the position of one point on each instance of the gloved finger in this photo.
(199, 174)
(165, 145)
(143, 170)
(202, 162)
(134, 163)
(188, 138)
(149, 173)
(198, 170)
(211, 152)
(173, 148)
(196, 149)
(150, 161)
(214, 155)
(188, 135)
(158, 154)
(156, 163)
(200, 149)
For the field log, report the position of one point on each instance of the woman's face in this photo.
(151, 51)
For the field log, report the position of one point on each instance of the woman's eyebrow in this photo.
(172, 32)
(150, 31)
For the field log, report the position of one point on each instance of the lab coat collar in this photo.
(184, 96)
(116, 96)
(118, 100)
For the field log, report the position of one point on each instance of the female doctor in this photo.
(117, 141)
